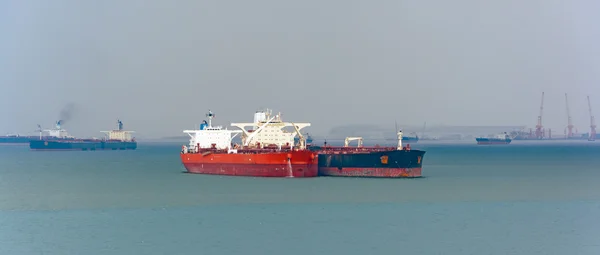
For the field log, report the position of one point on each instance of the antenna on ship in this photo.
(210, 115)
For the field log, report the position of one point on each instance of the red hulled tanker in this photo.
(266, 150)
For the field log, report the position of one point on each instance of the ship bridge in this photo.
(119, 133)
(57, 131)
(209, 136)
(267, 129)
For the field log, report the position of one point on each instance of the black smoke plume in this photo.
(67, 113)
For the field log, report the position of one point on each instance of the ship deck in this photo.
(357, 150)
(78, 140)
(246, 151)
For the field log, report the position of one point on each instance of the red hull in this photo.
(372, 172)
(274, 164)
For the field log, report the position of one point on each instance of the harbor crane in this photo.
(592, 136)
(539, 133)
(569, 129)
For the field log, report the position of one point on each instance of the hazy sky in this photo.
(159, 65)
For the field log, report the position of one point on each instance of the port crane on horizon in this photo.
(570, 126)
(592, 135)
(539, 132)
(570, 131)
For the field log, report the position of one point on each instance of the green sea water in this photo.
(522, 198)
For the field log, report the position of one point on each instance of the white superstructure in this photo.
(267, 130)
(211, 137)
(56, 132)
(119, 133)
(501, 136)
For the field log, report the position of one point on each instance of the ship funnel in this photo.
(58, 124)
(120, 124)
(203, 125)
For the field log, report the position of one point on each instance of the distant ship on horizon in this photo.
(498, 139)
(59, 139)
(16, 139)
(308, 138)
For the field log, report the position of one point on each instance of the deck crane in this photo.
(569, 129)
(539, 133)
(592, 136)
(350, 138)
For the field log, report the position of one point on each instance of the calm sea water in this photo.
(522, 198)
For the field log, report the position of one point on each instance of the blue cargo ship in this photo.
(17, 139)
(410, 139)
(308, 138)
(499, 139)
(117, 139)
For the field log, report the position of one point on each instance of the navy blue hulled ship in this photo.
(117, 139)
(361, 161)
(499, 139)
(308, 138)
(16, 139)
(410, 139)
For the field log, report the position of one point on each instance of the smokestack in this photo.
(66, 113)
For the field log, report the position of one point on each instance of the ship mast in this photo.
(210, 116)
